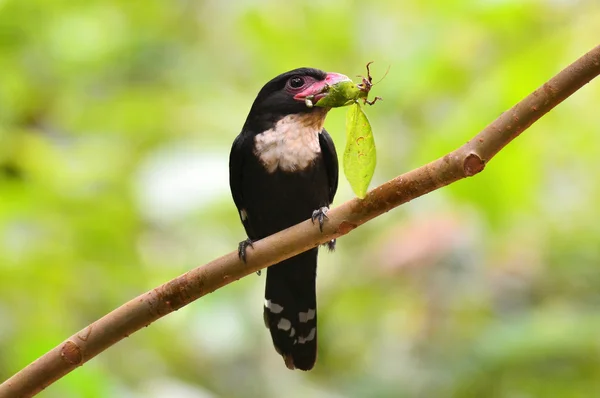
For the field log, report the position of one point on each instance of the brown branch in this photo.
(466, 161)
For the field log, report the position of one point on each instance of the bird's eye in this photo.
(296, 82)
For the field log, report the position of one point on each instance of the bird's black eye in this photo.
(296, 82)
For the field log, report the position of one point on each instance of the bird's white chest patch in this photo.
(292, 144)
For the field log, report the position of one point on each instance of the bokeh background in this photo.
(116, 120)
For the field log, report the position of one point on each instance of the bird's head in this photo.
(286, 95)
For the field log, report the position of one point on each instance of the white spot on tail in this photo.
(243, 215)
(306, 316)
(284, 324)
(292, 332)
(273, 307)
(311, 336)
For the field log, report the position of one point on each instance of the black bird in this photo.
(283, 169)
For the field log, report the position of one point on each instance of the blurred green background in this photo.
(116, 120)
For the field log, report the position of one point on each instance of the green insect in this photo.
(346, 93)
(360, 156)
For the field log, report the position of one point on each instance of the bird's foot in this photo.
(330, 245)
(242, 247)
(321, 215)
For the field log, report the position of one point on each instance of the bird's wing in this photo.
(236, 167)
(331, 162)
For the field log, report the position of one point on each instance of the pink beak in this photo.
(320, 89)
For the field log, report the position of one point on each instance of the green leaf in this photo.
(360, 156)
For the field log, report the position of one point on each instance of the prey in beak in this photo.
(320, 89)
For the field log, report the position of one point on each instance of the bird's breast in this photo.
(291, 145)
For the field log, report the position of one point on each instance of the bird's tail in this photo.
(290, 310)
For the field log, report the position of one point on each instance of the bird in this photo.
(283, 169)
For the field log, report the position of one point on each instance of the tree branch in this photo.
(466, 161)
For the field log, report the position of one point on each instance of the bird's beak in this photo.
(320, 89)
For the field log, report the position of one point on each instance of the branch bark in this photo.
(465, 161)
